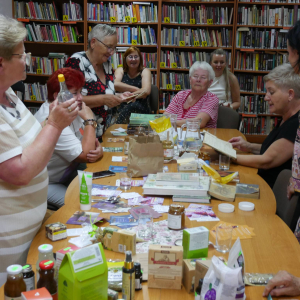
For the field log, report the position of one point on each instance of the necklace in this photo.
(16, 114)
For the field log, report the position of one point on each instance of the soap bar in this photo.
(195, 242)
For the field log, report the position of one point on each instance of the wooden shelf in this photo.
(53, 43)
(195, 25)
(266, 3)
(251, 71)
(192, 47)
(123, 23)
(258, 49)
(31, 101)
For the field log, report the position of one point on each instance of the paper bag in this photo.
(145, 155)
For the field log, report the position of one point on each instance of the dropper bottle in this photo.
(128, 277)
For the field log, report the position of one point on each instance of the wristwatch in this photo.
(90, 122)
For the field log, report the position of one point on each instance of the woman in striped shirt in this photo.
(197, 103)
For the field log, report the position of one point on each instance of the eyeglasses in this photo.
(110, 49)
(131, 57)
(27, 57)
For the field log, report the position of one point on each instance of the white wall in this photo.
(6, 7)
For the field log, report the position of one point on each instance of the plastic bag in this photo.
(162, 126)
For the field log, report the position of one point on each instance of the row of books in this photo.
(136, 35)
(149, 59)
(258, 125)
(36, 91)
(251, 83)
(272, 1)
(261, 38)
(267, 16)
(46, 65)
(254, 104)
(196, 37)
(172, 81)
(165, 99)
(196, 15)
(55, 33)
(259, 61)
(73, 11)
(129, 13)
(183, 59)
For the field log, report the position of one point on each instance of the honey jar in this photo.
(168, 150)
(176, 217)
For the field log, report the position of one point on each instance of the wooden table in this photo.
(273, 248)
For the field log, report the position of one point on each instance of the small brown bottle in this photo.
(15, 284)
(47, 278)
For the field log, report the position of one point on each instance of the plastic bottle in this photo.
(45, 253)
(138, 276)
(128, 277)
(47, 278)
(64, 93)
(28, 276)
(198, 290)
(15, 284)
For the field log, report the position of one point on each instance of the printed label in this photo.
(128, 286)
(162, 64)
(113, 19)
(84, 192)
(65, 17)
(127, 19)
(138, 285)
(192, 21)
(134, 42)
(134, 20)
(174, 222)
(210, 22)
(174, 65)
(39, 71)
(181, 43)
(198, 240)
(204, 44)
(169, 87)
(196, 43)
(29, 283)
(65, 39)
(168, 152)
(167, 20)
(178, 87)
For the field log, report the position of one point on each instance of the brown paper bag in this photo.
(145, 155)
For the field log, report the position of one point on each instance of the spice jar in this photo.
(47, 278)
(126, 145)
(205, 156)
(176, 217)
(15, 284)
(168, 150)
(28, 276)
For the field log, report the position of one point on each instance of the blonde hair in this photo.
(12, 33)
(226, 71)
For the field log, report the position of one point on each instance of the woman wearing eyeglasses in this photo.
(25, 149)
(98, 91)
(135, 78)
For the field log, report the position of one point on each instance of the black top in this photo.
(287, 130)
(136, 81)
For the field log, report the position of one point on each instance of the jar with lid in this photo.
(15, 284)
(28, 276)
(176, 217)
(168, 149)
(47, 278)
(45, 253)
(126, 145)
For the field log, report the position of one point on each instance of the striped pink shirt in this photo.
(208, 103)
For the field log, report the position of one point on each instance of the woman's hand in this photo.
(94, 155)
(112, 100)
(291, 188)
(85, 113)
(63, 114)
(240, 143)
(128, 97)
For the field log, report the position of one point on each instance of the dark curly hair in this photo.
(293, 36)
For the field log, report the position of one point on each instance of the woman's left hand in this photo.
(125, 95)
(94, 155)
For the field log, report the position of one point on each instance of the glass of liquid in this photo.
(125, 181)
(223, 238)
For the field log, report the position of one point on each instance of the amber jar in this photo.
(15, 284)
(168, 149)
(47, 277)
(176, 217)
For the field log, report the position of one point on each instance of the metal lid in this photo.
(26, 269)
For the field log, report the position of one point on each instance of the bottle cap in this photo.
(61, 78)
(45, 248)
(246, 206)
(14, 269)
(137, 266)
(46, 264)
(128, 263)
(26, 269)
(226, 208)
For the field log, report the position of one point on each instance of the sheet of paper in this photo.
(120, 129)
(105, 193)
(120, 158)
(219, 145)
(115, 140)
(130, 195)
(161, 208)
(112, 149)
(74, 231)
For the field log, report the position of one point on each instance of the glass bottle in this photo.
(64, 93)
(176, 217)
(126, 145)
(138, 276)
(198, 290)
(47, 277)
(45, 253)
(15, 284)
(28, 276)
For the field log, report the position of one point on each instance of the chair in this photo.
(287, 210)
(19, 87)
(228, 118)
(154, 97)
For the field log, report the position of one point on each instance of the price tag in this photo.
(181, 43)
(178, 87)
(134, 42)
(127, 19)
(162, 64)
(210, 22)
(174, 65)
(167, 20)
(39, 71)
(169, 87)
(192, 21)
(65, 18)
(65, 39)
(196, 43)
(33, 98)
(119, 66)
(134, 20)
(113, 19)
(204, 44)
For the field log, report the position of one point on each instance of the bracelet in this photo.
(90, 122)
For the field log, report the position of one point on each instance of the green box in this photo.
(83, 274)
(195, 242)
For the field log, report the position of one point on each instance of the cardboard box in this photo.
(56, 231)
(119, 240)
(39, 294)
(83, 274)
(202, 267)
(60, 254)
(188, 274)
(195, 242)
(165, 267)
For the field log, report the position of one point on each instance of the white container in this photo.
(85, 189)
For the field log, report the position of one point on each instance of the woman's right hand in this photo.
(63, 114)
(112, 100)
(240, 143)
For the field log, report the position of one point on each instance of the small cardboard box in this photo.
(195, 242)
(39, 294)
(165, 267)
(56, 231)
(83, 274)
(188, 278)
(202, 267)
(60, 254)
(119, 240)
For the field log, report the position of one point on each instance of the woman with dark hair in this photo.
(77, 142)
(293, 46)
(133, 77)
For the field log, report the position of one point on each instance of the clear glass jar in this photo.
(45, 253)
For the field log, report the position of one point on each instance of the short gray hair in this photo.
(285, 77)
(12, 33)
(204, 66)
(100, 31)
